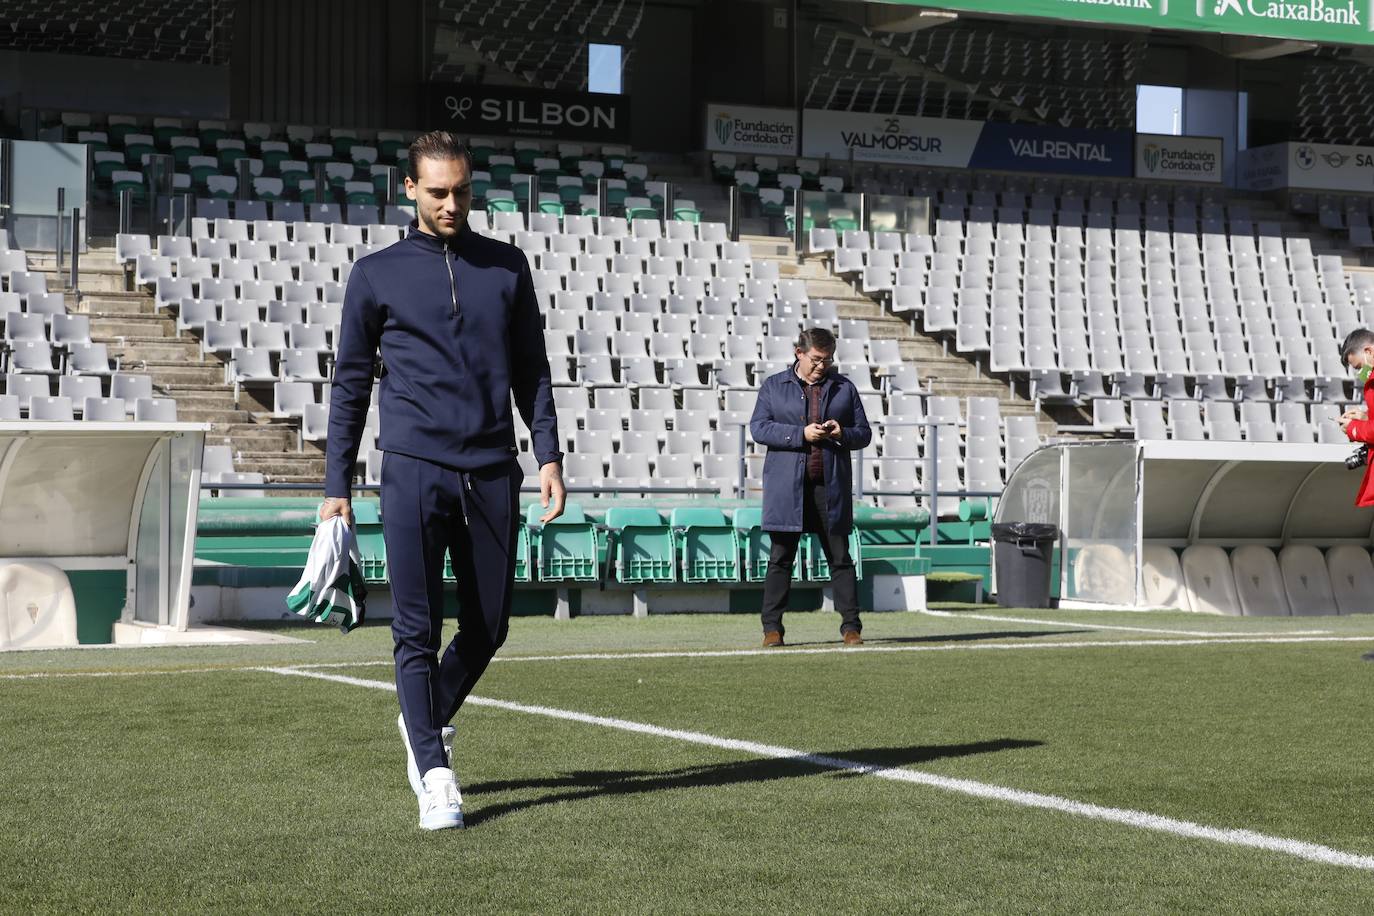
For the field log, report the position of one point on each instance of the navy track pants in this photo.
(429, 510)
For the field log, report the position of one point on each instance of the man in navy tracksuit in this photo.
(457, 321)
(811, 418)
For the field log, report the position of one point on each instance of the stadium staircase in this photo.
(943, 371)
(146, 342)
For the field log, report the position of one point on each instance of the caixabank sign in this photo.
(1170, 158)
(507, 111)
(746, 129)
(1349, 22)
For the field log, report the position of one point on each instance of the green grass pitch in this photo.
(186, 780)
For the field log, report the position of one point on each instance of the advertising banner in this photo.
(1170, 158)
(744, 129)
(1327, 167)
(1347, 22)
(1263, 168)
(509, 111)
(889, 138)
(1308, 166)
(1031, 148)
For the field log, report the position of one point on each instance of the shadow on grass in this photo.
(580, 785)
(947, 637)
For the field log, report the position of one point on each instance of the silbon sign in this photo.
(513, 112)
(1329, 21)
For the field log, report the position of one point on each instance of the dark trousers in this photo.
(429, 510)
(777, 584)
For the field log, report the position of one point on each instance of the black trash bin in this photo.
(1023, 552)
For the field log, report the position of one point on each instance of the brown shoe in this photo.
(772, 639)
(852, 638)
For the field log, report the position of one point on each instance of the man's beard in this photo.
(442, 230)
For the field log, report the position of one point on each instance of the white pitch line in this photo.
(736, 653)
(1111, 626)
(1142, 820)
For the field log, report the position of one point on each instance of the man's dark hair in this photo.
(437, 144)
(1357, 339)
(816, 339)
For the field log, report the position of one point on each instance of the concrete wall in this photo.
(111, 84)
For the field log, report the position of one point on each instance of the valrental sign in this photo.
(1349, 22)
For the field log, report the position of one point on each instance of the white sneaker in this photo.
(412, 768)
(441, 804)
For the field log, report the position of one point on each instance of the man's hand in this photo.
(551, 490)
(334, 505)
(832, 430)
(815, 432)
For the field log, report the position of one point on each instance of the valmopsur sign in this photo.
(1170, 158)
(890, 138)
(536, 113)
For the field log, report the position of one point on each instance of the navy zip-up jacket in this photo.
(459, 330)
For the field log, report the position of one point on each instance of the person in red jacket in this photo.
(1358, 353)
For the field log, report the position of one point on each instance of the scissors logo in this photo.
(458, 107)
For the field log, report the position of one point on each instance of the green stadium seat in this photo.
(570, 195)
(817, 569)
(644, 549)
(388, 148)
(709, 549)
(183, 148)
(343, 146)
(209, 136)
(163, 133)
(106, 163)
(119, 128)
(502, 205)
(481, 155)
(524, 570)
(687, 214)
(229, 155)
(132, 181)
(567, 549)
(723, 166)
(367, 524)
(139, 145)
(756, 543)
(552, 206)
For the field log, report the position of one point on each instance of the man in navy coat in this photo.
(811, 418)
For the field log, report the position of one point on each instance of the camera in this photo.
(1359, 459)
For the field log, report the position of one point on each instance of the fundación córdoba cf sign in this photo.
(1329, 21)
